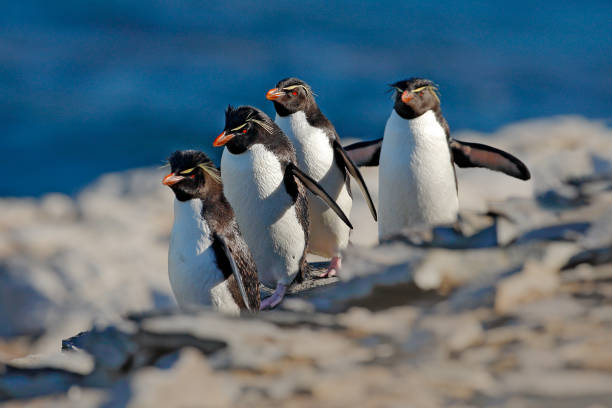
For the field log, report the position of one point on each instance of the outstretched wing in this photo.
(479, 155)
(365, 153)
(317, 190)
(235, 271)
(342, 155)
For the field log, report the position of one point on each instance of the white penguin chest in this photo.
(265, 212)
(192, 264)
(313, 150)
(417, 180)
(328, 234)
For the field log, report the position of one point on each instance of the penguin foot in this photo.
(334, 268)
(274, 300)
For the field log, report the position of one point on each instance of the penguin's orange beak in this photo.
(171, 179)
(223, 138)
(407, 96)
(273, 94)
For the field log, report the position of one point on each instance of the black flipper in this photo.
(317, 190)
(479, 155)
(341, 154)
(365, 153)
(235, 271)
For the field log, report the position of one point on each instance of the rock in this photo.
(125, 347)
(13, 348)
(533, 282)
(77, 362)
(449, 237)
(510, 307)
(602, 314)
(559, 384)
(101, 255)
(395, 323)
(551, 310)
(538, 278)
(459, 382)
(21, 383)
(180, 385)
(58, 207)
(387, 265)
(594, 353)
(595, 256)
(445, 270)
(458, 333)
(75, 397)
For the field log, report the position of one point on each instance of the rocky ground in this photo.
(515, 311)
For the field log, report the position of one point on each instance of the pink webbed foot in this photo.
(274, 300)
(334, 268)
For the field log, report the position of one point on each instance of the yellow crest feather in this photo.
(212, 171)
(187, 171)
(306, 89)
(432, 88)
(238, 128)
(263, 125)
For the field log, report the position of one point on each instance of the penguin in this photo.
(321, 156)
(266, 189)
(209, 262)
(417, 180)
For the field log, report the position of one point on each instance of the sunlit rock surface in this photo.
(513, 308)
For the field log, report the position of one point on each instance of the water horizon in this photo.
(107, 86)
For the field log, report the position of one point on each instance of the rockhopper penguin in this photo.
(208, 261)
(417, 181)
(266, 190)
(321, 156)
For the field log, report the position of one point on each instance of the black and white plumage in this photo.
(209, 262)
(417, 179)
(266, 190)
(321, 156)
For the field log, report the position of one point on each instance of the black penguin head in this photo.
(291, 95)
(415, 96)
(193, 175)
(244, 126)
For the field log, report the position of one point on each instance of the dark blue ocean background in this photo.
(88, 87)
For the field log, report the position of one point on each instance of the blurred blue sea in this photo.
(97, 86)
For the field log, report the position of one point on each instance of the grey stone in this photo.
(510, 307)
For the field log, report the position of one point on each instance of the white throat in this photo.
(190, 229)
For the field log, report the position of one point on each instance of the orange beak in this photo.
(171, 179)
(223, 138)
(273, 94)
(407, 96)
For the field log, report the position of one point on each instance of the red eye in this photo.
(294, 93)
(244, 131)
(192, 176)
